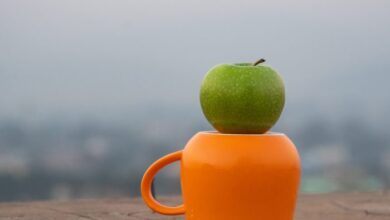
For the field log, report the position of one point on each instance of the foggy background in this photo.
(92, 92)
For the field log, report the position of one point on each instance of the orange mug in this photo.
(232, 177)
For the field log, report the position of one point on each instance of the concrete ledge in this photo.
(335, 206)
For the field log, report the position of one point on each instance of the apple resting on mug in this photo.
(242, 171)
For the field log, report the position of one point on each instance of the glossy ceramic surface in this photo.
(232, 177)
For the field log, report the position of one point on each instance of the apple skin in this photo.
(242, 98)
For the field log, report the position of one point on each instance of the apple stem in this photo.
(259, 61)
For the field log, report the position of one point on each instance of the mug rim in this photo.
(216, 133)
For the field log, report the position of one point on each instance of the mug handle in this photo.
(146, 185)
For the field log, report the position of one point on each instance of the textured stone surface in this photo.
(343, 206)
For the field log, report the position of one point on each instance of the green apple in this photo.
(242, 98)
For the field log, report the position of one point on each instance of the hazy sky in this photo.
(88, 57)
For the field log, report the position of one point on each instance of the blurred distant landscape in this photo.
(92, 92)
(90, 158)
